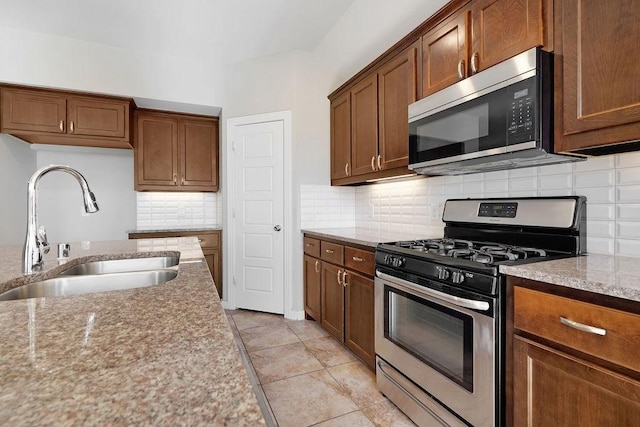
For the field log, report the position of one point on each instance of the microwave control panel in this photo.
(521, 107)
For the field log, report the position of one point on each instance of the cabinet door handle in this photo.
(346, 168)
(344, 279)
(339, 278)
(329, 251)
(358, 259)
(582, 327)
(379, 162)
(182, 180)
(461, 69)
(61, 126)
(175, 179)
(317, 266)
(71, 127)
(373, 163)
(474, 62)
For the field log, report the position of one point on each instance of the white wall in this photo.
(17, 163)
(109, 173)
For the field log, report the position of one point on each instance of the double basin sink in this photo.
(100, 276)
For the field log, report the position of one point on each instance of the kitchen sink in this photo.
(122, 265)
(90, 283)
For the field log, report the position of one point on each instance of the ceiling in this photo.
(225, 31)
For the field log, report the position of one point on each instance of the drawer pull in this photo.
(582, 327)
(309, 245)
(200, 240)
(329, 251)
(357, 259)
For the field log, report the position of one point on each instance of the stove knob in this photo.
(443, 274)
(387, 259)
(457, 277)
(398, 261)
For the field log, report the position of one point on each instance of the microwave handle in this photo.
(460, 302)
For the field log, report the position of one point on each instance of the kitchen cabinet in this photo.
(597, 95)
(57, 117)
(338, 289)
(369, 135)
(175, 152)
(210, 242)
(481, 34)
(574, 358)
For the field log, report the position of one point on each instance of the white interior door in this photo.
(258, 214)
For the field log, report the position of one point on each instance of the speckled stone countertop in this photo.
(365, 236)
(602, 274)
(160, 355)
(177, 229)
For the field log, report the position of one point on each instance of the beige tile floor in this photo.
(304, 377)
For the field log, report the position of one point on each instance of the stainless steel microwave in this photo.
(500, 118)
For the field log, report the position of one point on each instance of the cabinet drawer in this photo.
(332, 252)
(209, 240)
(312, 247)
(359, 260)
(541, 314)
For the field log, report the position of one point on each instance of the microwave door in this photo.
(472, 129)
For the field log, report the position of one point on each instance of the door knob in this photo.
(277, 228)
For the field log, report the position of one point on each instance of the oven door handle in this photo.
(460, 302)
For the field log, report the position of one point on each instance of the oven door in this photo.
(442, 341)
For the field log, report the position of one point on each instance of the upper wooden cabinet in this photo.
(597, 95)
(175, 152)
(369, 133)
(55, 117)
(481, 34)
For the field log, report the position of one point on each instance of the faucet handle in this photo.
(42, 239)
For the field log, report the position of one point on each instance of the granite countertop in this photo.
(614, 276)
(177, 229)
(366, 236)
(160, 355)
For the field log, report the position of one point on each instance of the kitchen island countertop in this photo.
(161, 355)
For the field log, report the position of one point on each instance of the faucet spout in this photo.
(36, 245)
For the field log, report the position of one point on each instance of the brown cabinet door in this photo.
(502, 29)
(156, 151)
(24, 110)
(333, 300)
(444, 54)
(212, 256)
(359, 316)
(198, 142)
(596, 62)
(364, 126)
(397, 88)
(312, 286)
(555, 389)
(92, 117)
(341, 136)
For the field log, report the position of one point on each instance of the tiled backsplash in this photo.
(610, 183)
(175, 210)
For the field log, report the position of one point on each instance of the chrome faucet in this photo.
(36, 245)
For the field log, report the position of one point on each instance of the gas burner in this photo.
(436, 246)
(524, 253)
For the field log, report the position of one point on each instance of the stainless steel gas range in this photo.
(440, 304)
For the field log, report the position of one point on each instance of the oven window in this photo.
(437, 335)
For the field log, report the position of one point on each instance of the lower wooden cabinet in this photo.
(574, 362)
(210, 242)
(554, 389)
(338, 293)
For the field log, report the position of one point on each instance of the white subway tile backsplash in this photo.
(594, 163)
(628, 212)
(628, 247)
(523, 184)
(628, 194)
(594, 179)
(628, 230)
(597, 195)
(497, 175)
(628, 176)
(600, 245)
(625, 160)
(499, 186)
(600, 228)
(555, 182)
(562, 168)
(520, 173)
(554, 192)
(600, 211)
